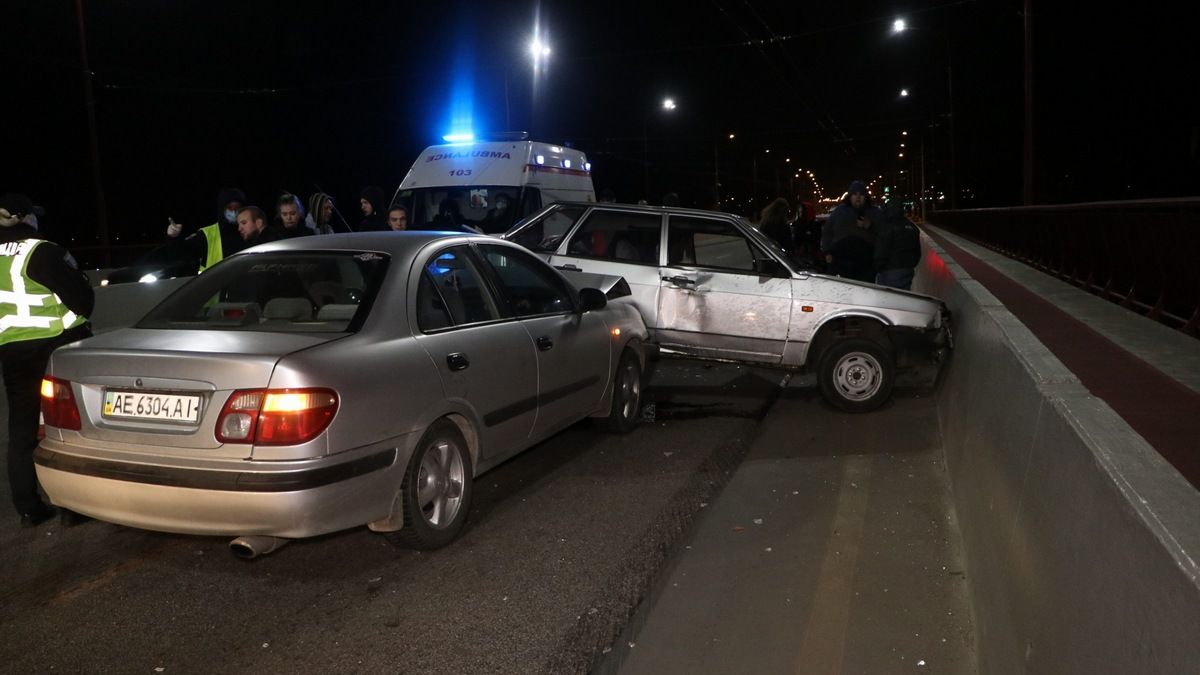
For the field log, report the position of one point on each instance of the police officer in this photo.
(44, 302)
(208, 245)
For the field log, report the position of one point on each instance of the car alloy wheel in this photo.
(627, 394)
(440, 484)
(436, 490)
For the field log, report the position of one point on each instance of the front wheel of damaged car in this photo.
(856, 375)
(436, 491)
(626, 408)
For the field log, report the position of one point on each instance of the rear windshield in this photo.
(295, 292)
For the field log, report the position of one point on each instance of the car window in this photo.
(451, 292)
(279, 291)
(532, 288)
(545, 233)
(703, 242)
(618, 235)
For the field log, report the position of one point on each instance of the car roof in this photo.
(396, 244)
(647, 208)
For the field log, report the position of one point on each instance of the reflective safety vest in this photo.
(212, 238)
(28, 310)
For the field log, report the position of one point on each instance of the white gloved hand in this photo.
(173, 228)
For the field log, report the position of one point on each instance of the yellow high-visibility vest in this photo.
(212, 238)
(28, 310)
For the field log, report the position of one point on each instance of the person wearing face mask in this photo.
(211, 243)
(45, 302)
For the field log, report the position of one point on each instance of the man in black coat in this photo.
(897, 248)
(848, 237)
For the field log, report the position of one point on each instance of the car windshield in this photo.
(487, 208)
(288, 291)
(545, 231)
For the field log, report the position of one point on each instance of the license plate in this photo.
(145, 406)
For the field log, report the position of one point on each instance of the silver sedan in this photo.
(323, 383)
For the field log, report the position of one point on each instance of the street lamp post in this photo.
(899, 26)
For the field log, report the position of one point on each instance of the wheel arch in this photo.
(470, 435)
(394, 520)
(863, 324)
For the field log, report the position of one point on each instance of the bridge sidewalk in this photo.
(1148, 373)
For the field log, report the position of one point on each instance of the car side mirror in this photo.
(770, 267)
(590, 299)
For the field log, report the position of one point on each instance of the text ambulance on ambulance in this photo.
(487, 186)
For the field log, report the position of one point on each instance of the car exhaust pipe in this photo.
(253, 546)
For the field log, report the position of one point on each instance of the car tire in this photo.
(436, 490)
(626, 410)
(856, 375)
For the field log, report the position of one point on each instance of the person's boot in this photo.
(37, 515)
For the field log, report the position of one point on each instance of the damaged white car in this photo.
(711, 286)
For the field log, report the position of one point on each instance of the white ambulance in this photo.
(488, 185)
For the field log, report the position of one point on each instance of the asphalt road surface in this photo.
(562, 543)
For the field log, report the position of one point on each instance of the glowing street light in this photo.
(898, 26)
(538, 49)
(903, 93)
(668, 104)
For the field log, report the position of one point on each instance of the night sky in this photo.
(270, 96)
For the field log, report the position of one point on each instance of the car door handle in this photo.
(457, 361)
(544, 343)
(680, 280)
(570, 267)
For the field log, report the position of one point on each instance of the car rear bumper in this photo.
(281, 499)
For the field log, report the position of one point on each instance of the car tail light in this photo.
(276, 416)
(58, 404)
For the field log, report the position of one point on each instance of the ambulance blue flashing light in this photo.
(459, 138)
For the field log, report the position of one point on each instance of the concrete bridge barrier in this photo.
(1082, 544)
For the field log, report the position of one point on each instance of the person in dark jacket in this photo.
(289, 216)
(253, 227)
(372, 202)
(398, 217)
(897, 248)
(45, 302)
(211, 243)
(848, 237)
(320, 214)
(774, 223)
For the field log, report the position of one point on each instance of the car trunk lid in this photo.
(161, 392)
